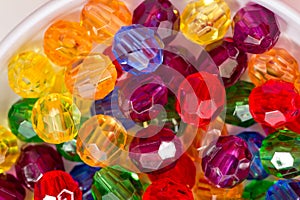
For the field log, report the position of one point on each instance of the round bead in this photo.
(64, 41)
(257, 189)
(274, 103)
(138, 49)
(205, 21)
(24, 78)
(100, 140)
(160, 14)
(68, 150)
(9, 150)
(104, 18)
(284, 189)
(55, 118)
(294, 125)
(10, 188)
(201, 98)
(227, 163)
(255, 29)
(57, 185)
(19, 119)
(36, 160)
(108, 52)
(91, 77)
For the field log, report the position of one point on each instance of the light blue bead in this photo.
(284, 190)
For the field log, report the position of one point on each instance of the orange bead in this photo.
(65, 40)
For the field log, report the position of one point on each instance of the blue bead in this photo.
(254, 141)
(138, 49)
(284, 190)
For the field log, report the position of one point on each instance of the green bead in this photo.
(19, 119)
(116, 183)
(237, 112)
(280, 154)
(68, 150)
(256, 190)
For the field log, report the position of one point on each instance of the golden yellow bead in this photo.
(205, 21)
(30, 74)
(55, 118)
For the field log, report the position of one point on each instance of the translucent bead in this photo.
(205, 21)
(68, 150)
(257, 189)
(25, 79)
(11, 188)
(284, 189)
(55, 118)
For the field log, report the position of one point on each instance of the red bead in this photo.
(294, 125)
(167, 189)
(112, 57)
(274, 103)
(57, 185)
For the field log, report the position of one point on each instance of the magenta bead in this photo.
(227, 162)
(255, 29)
(11, 188)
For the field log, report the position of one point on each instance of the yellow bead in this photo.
(9, 150)
(30, 74)
(92, 77)
(55, 118)
(104, 18)
(101, 140)
(205, 21)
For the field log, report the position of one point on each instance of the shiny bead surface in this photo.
(284, 189)
(257, 189)
(30, 74)
(55, 118)
(68, 150)
(294, 125)
(64, 41)
(11, 188)
(204, 21)
(100, 140)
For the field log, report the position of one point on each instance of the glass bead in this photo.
(24, 78)
(138, 49)
(35, 161)
(64, 41)
(284, 189)
(11, 188)
(205, 22)
(257, 189)
(9, 150)
(91, 77)
(104, 18)
(68, 150)
(101, 140)
(116, 183)
(57, 185)
(19, 119)
(55, 118)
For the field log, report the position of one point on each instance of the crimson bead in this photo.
(11, 188)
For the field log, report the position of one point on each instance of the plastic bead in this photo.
(257, 189)
(11, 188)
(284, 189)
(68, 150)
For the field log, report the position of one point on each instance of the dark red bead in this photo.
(11, 188)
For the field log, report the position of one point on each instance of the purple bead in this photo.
(34, 161)
(231, 61)
(160, 14)
(227, 162)
(10, 188)
(255, 29)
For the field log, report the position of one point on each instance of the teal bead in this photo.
(68, 150)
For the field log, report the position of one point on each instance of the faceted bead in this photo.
(104, 18)
(24, 78)
(153, 149)
(255, 29)
(257, 189)
(274, 103)
(59, 84)
(11, 188)
(167, 189)
(231, 61)
(279, 154)
(108, 52)
(284, 189)
(64, 41)
(138, 49)
(57, 185)
(183, 172)
(201, 98)
(294, 125)
(205, 21)
(237, 104)
(160, 14)
(19, 119)
(116, 183)
(254, 141)
(35, 161)
(227, 163)
(91, 77)
(68, 150)
(55, 118)
(100, 140)
(9, 150)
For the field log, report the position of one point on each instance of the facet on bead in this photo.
(55, 118)
(30, 74)
(138, 49)
(100, 140)
(205, 22)
(108, 52)
(11, 188)
(294, 125)
(68, 150)
(64, 41)
(257, 189)
(284, 189)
